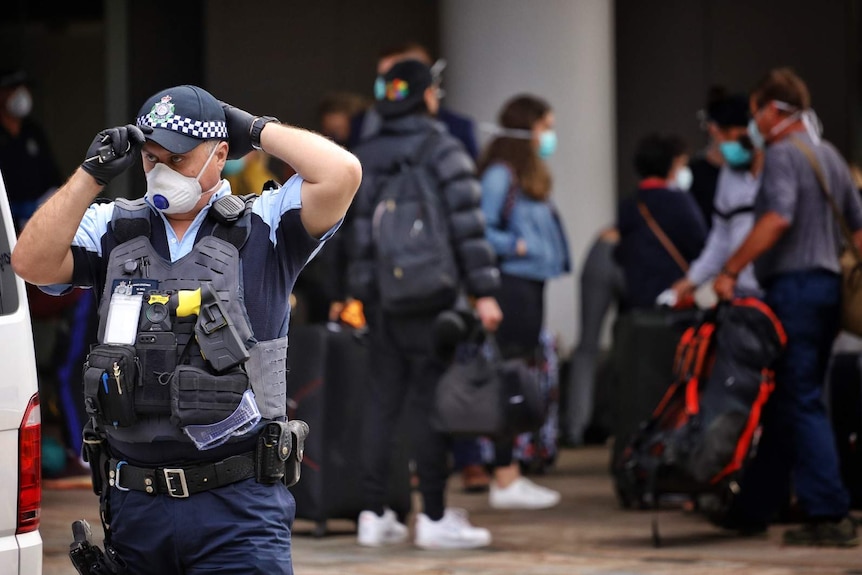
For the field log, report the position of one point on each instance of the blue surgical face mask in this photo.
(547, 144)
(735, 154)
(757, 139)
(379, 88)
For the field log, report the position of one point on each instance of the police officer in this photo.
(181, 454)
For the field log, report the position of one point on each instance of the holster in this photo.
(88, 559)
(292, 466)
(95, 452)
(273, 449)
(280, 447)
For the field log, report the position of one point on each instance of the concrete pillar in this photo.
(563, 51)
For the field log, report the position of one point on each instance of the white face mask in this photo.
(170, 192)
(20, 103)
(682, 179)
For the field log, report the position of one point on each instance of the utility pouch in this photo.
(292, 467)
(273, 449)
(199, 397)
(110, 377)
(157, 356)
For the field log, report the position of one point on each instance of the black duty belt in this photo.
(181, 481)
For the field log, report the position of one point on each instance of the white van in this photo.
(20, 418)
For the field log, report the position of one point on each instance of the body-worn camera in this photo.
(156, 314)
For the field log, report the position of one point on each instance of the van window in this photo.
(9, 297)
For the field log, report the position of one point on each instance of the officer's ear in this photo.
(220, 156)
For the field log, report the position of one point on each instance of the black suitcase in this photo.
(642, 355)
(845, 406)
(325, 389)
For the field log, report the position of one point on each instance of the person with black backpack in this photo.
(418, 243)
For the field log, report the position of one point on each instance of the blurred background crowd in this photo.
(645, 96)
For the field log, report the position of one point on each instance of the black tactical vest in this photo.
(166, 350)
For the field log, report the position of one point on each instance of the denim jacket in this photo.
(536, 222)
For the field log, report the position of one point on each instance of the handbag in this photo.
(849, 260)
(483, 395)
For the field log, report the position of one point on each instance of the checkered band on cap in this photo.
(202, 130)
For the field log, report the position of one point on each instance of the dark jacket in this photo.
(458, 186)
(366, 123)
(646, 264)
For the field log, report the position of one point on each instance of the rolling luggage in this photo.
(845, 408)
(702, 433)
(642, 355)
(325, 389)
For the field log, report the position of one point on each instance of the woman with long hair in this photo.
(525, 230)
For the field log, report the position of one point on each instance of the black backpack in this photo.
(415, 263)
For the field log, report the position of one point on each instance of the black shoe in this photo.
(741, 527)
(824, 534)
(748, 530)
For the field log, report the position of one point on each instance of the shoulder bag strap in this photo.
(662, 237)
(824, 187)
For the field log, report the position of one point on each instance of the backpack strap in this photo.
(846, 232)
(417, 158)
(427, 145)
(729, 215)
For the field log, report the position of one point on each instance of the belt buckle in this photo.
(176, 474)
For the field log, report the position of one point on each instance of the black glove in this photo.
(243, 130)
(238, 131)
(113, 151)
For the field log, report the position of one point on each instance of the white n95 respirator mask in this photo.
(170, 192)
(20, 103)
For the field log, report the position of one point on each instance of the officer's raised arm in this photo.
(43, 253)
(330, 174)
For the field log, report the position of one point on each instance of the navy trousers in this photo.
(239, 528)
(798, 446)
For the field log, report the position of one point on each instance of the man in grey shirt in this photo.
(795, 245)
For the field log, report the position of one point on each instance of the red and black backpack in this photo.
(704, 430)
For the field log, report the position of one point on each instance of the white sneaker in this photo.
(375, 530)
(452, 531)
(523, 494)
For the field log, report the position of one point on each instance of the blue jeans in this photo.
(243, 527)
(797, 441)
